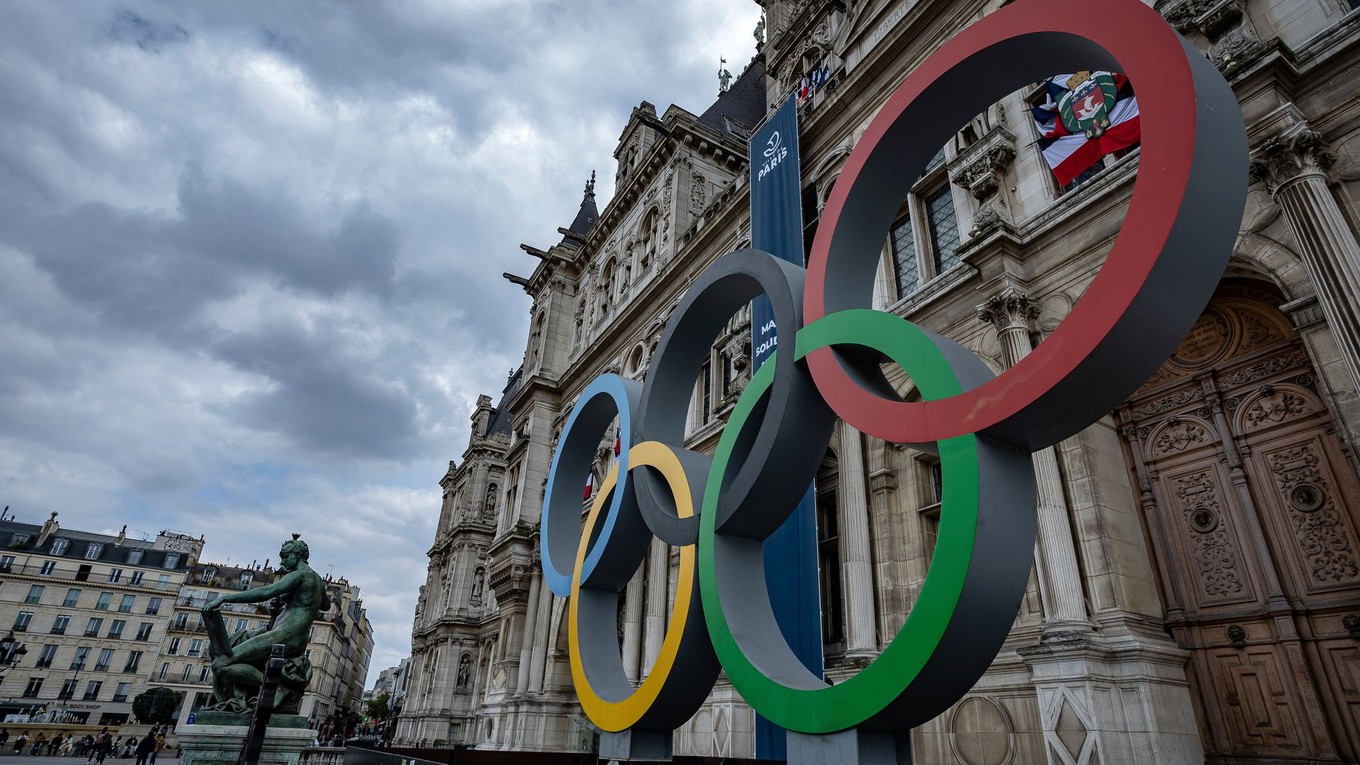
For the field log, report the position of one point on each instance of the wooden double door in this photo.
(1249, 501)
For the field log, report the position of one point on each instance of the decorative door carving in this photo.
(1250, 507)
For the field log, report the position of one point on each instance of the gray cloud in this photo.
(250, 253)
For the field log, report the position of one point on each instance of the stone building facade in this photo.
(104, 618)
(91, 610)
(1196, 589)
(339, 647)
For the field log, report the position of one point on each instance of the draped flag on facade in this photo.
(812, 82)
(1084, 116)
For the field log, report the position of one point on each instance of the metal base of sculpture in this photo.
(849, 746)
(636, 746)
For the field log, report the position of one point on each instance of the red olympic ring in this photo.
(1165, 262)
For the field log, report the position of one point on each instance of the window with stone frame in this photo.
(650, 238)
(607, 287)
(930, 491)
(924, 241)
(49, 652)
(536, 340)
(829, 558)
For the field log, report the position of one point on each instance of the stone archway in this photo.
(1249, 505)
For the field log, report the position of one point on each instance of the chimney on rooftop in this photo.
(48, 528)
(122, 534)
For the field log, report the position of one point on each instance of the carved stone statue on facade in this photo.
(238, 660)
(464, 672)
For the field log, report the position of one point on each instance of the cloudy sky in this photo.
(251, 252)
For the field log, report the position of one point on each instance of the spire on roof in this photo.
(585, 217)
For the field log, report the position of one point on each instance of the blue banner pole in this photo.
(791, 552)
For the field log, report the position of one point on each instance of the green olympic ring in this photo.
(765, 671)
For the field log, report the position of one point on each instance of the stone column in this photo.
(857, 582)
(1060, 577)
(1293, 164)
(632, 627)
(539, 659)
(526, 649)
(658, 600)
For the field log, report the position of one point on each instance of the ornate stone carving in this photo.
(1266, 368)
(1274, 406)
(1236, 635)
(1351, 623)
(982, 170)
(1322, 537)
(1232, 38)
(1165, 403)
(1010, 309)
(1179, 436)
(1213, 553)
(1290, 155)
(698, 193)
(1256, 331)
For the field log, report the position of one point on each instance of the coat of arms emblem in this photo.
(1085, 107)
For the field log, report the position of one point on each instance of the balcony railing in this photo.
(73, 575)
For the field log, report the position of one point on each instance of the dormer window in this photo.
(246, 578)
(209, 574)
(59, 546)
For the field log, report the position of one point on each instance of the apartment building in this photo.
(91, 610)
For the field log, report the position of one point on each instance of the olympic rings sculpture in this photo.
(1180, 226)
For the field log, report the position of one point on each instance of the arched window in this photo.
(536, 340)
(607, 287)
(651, 237)
(431, 670)
(511, 494)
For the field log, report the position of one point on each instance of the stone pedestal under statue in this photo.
(216, 738)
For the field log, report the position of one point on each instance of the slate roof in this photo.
(742, 107)
(587, 215)
(112, 550)
(500, 416)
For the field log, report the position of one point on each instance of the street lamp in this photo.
(11, 652)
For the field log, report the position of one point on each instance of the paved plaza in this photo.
(8, 758)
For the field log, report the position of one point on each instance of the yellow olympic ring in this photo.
(623, 713)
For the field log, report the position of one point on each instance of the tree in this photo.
(378, 706)
(155, 706)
